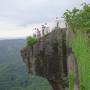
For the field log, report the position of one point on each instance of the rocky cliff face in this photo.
(47, 58)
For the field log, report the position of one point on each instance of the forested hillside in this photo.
(13, 72)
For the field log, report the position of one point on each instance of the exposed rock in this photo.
(48, 58)
(73, 68)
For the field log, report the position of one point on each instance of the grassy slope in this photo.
(80, 46)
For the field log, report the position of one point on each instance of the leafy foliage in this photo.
(78, 21)
(71, 80)
(31, 40)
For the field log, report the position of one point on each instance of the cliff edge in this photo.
(48, 58)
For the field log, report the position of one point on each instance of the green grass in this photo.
(71, 81)
(80, 46)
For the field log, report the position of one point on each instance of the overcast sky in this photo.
(17, 17)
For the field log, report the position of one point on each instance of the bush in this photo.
(31, 41)
(78, 19)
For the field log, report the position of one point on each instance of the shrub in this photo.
(31, 41)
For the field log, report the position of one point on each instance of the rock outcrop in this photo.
(48, 58)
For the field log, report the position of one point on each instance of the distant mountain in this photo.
(13, 71)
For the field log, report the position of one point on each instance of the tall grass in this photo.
(80, 46)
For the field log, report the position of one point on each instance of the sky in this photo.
(18, 17)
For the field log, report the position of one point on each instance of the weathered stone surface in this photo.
(73, 67)
(47, 58)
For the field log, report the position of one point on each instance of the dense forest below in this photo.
(13, 71)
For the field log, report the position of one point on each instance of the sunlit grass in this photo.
(80, 46)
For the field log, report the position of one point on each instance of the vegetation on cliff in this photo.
(31, 40)
(78, 21)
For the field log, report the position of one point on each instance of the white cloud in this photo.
(32, 11)
(17, 15)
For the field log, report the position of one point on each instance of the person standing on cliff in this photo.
(57, 22)
(43, 30)
(46, 28)
(38, 33)
(34, 33)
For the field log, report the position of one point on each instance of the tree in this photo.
(78, 19)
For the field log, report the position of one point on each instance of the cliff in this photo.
(48, 58)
